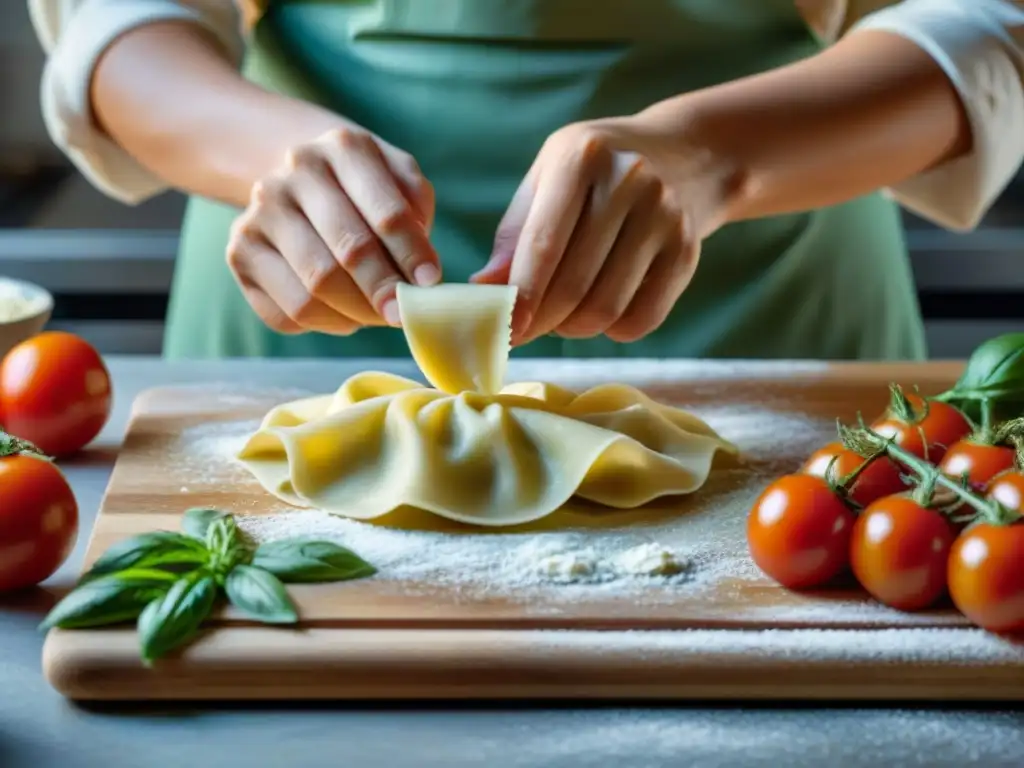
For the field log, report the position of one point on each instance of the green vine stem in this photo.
(863, 441)
(987, 434)
(841, 486)
(924, 493)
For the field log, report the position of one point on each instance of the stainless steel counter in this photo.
(38, 729)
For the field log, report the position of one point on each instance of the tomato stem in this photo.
(864, 439)
(15, 446)
(901, 408)
(841, 486)
(924, 493)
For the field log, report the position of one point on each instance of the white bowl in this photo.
(25, 309)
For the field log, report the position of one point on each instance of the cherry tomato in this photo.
(979, 462)
(1008, 489)
(799, 531)
(930, 437)
(54, 392)
(986, 576)
(880, 478)
(38, 520)
(899, 550)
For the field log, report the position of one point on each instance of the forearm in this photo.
(867, 113)
(168, 96)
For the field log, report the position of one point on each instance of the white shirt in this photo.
(978, 43)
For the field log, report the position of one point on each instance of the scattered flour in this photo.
(484, 563)
(205, 454)
(752, 737)
(917, 645)
(574, 567)
(652, 560)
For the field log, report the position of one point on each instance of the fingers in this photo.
(670, 273)
(364, 175)
(337, 256)
(417, 190)
(275, 292)
(556, 207)
(498, 268)
(642, 237)
(326, 239)
(606, 210)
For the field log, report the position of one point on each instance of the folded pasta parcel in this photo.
(469, 447)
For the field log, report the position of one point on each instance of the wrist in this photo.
(264, 127)
(704, 171)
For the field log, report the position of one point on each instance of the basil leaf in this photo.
(995, 365)
(299, 561)
(109, 599)
(260, 594)
(196, 521)
(158, 548)
(175, 618)
(994, 372)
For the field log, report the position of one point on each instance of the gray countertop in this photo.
(40, 729)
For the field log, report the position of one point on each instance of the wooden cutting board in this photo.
(722, 631)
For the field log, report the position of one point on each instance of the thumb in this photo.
(499, 267)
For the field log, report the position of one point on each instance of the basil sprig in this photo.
(994, 376)
(169, 583)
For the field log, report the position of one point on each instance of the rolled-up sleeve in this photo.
(74, 34)
(980, 46)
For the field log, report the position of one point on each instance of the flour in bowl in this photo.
(16, 303)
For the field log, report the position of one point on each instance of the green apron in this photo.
(471, 88)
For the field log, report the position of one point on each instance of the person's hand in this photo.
(327, 237)
(604, 233)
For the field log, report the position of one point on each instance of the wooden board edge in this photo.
(271, 664)
(144, 399)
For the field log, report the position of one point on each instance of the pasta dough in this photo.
(467, 448)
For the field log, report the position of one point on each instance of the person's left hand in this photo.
(604, 232)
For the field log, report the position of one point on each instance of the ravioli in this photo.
(466, 447)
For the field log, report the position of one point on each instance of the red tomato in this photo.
(54, 392)
(1008, 489)
(799, 531)
(880, 478)
(38, 520)
(980, 462)
(986, 576)
(930, 437)
(899, 551)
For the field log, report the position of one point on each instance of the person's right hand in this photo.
(328, 236)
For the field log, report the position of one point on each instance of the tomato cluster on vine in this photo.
(921, 504)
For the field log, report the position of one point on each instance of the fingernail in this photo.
(391, 314)
(426, 274)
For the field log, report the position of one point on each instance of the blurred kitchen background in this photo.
(110, 266)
